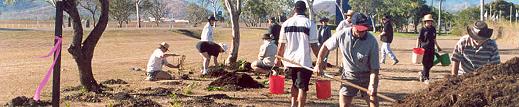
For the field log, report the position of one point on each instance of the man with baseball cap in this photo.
(475, 50)
(207, 32)
(346, 23)
(157, 60)
(298, 37)
(359, 60)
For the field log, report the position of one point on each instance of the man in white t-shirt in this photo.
(346, 23)
(298, 37)
(157, 60)
(207, 32)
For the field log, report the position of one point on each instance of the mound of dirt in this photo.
(84, 97)
(171, 83)
(114, 81)
(26, 102)
(121, 96)
(235, 80)
(491, 85)
(185, 77)
(215, 71)
(204, 102)
(159, 91)
(218, 96)
(144, 103)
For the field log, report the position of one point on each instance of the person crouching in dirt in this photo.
(157, 60)
(360, 60)
(427, 40)
(208, 49)
(474, 50)
(298, 37)
(266, 55)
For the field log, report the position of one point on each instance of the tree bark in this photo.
(234, 13)
(83, 52)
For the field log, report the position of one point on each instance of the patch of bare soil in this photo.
(138, 103)
(205, 102)
(114, 81)
(26, 101)
(491, 85)
(86, 97)
(235, 81)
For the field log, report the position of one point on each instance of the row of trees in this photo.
(121, 10)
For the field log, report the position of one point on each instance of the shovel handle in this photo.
(340, 80)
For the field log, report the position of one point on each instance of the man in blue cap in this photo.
(359, 60)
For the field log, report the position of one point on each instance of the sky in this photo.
(451, 5)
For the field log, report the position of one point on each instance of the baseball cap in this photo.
(360, 21)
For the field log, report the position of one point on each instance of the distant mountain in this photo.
(328, 6)
(41, 10)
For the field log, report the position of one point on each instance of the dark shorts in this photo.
(211, 48)
(300, 77)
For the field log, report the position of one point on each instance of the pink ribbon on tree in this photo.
(56, 50)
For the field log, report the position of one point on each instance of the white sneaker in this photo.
(204, 72)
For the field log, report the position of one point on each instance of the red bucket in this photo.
(419, 51)
(277, 84)
(323, 89)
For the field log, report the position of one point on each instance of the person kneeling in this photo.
(157, 60)
(266, 55)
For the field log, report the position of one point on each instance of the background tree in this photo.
(121, 10)
(158, 10)
(92, 7)
(253, 12)
(196, 13)
(234, 9)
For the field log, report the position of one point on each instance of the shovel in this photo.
(339, 80)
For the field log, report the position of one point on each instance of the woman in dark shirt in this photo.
(427, 41)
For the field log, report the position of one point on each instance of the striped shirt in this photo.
(472, 57)
(298, 32)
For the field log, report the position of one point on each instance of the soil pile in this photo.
(25, 101)
(215, 71)
(114, 81)
(235, 81)
(159, 91)
(491, 85)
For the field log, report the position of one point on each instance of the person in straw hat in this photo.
(157, 60)
(427, 41)
(346, 23)
(208, 49)
(474, 50)
(266, 55)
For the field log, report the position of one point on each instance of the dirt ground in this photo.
(120, 50)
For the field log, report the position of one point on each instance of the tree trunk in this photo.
(137, 11)
(234, 13)
(83, 52)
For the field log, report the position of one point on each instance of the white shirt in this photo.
(156, 61)
(343, 25)
(298, 32)
(207, 33)
(267, 52)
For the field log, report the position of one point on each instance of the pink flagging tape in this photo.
(56, 49)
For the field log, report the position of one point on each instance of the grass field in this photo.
(122, 49)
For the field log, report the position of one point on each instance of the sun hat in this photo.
(349, 13)
(211, 18)
(164, 45)
(479, 31)
(224, 46)
(428, 17)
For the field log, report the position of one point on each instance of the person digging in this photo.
(266, 55)
(207, 50)
(359, 60)
(157, 60)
